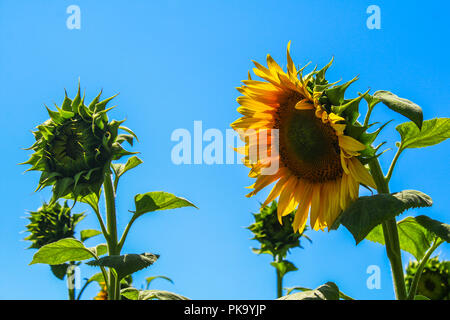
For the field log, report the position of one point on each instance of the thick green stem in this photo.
(423, 262)
(390, 233)
(111, 224)
(71, 282)
(279, 281)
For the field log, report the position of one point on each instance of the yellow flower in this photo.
(318, 169)
(102, 294)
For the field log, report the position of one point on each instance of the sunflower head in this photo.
(50, 223)
(74, 148)
(276, 239)
(306, 126)
(434, 282)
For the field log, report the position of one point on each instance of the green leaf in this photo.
(369, 211)
(88, 233)
(284, 267)
(403, 106)
(342, 295)
(126, 264)
(135, 294)
(441, 230)
(413, 237)
(433, 132)
(65, 250)
(120, 168)
(59, 270)
(150, 279)
(159, 200)
(98, 277)
(327, 291)
(420, 297)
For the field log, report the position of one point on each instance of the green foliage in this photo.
(441, 230)
(66, 250)
(149, 280)
(275, 239)
(413, 238)
(59, 270)
(433, 132)
(126, 264)
(158, 200)
(403, 106)
(369, 211)
(416, 234)
(88, 233)
(434, 282)
(327, 291)
(50, 223)
(284, 267)
(135, 294)
(120, 168)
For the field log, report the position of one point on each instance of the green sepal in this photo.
(336, 94)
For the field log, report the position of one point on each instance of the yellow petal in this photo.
(361, 173)
(350, 144)
(304, 104)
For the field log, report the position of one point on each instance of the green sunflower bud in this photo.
(51, 223)
(275, 238)
(434, 282)
(75, 147)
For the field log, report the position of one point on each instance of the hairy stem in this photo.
(279, 280)
(390, 233)
(111, 223)
(70, 282)
(392, 166)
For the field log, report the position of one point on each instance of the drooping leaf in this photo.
(441, 230)
(159, 200)
(342, 295)
(369, 211)
(403, 106)
(126, 264)
(433, 132)
(284, 267)
(65, 250)
(327, 291)
(135, 294)
(88, 233)
(413, 237)
(148, 280)
(59, 270)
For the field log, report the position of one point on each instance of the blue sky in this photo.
(175, 62)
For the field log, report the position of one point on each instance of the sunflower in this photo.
(103, 293)
(75, 147)
(51, 223)
(315, 142)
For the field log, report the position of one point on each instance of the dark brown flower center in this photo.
(308, 147)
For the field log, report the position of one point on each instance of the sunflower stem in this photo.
(70, 281)
(279, 281)
(423, 262)
(111, 222)
(392, 166)
(390, 233)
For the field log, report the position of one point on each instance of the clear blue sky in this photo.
(175, 62)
